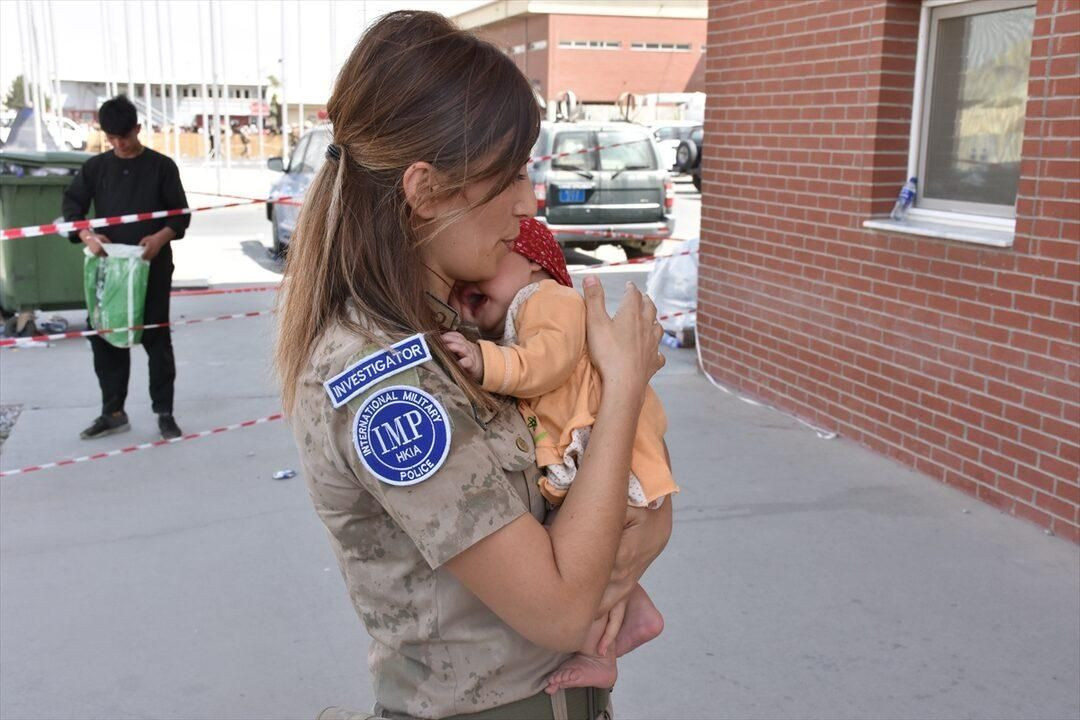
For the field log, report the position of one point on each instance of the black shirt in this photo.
(117, 186)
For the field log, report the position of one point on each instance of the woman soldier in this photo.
(426, 483)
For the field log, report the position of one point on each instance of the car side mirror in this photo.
(276, 164)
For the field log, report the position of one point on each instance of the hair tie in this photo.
(333, 152)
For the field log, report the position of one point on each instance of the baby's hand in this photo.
(468, 353)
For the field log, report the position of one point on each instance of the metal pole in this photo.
(58, 95)
(227, 141)
(205, 144)
(31, 92)
(333, 37)
(172, 75)
(217, 94)
(24, 47)
(39, 79)
(284, 107)
(103, 21)
(146, 78)
(258, 84)
(127, 43)
(300, 71)
(166, 129)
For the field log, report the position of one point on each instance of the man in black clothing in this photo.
(129, 179)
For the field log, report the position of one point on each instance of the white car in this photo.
(668, 136)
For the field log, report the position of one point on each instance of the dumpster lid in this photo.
(32, 158)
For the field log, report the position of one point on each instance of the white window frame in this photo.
(538, 45)
(661, 47)
(969, 222)
(590, 45)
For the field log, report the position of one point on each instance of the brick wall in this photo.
(957, 359)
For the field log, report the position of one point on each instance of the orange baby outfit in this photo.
(545, 362)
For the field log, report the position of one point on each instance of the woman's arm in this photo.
(548, 585)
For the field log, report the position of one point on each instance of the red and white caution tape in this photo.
(635, 261)
(226, 291)
(543, 158)
(15, 342)
(67, 227)
(281, 200)
(692, 311)
(143, 446)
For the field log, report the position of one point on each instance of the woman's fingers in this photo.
(595, 309)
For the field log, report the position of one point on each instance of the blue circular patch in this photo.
(402, 435)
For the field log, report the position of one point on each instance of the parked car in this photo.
(306, 159)
(669, 135)
(688, 156)
(623, 189)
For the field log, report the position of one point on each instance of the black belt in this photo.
(581, 704)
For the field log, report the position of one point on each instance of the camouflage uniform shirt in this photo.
(436, 649)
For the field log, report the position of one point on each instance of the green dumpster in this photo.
(46, 272)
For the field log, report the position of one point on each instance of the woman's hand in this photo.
(624, 349)
(644, 537)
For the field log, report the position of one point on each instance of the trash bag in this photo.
(115, 288)
(672, 285)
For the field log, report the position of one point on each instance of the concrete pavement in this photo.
(806, 578)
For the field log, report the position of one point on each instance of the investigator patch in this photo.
(402, 435)
(378, 366)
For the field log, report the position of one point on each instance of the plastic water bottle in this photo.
(905, 200)
(671, 341)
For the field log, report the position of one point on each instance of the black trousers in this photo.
(113, 365)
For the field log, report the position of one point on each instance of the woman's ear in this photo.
(418, 184)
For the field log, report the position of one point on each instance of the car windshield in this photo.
(573, 142)
(633, 151)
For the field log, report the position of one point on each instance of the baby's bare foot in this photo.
(583, 671)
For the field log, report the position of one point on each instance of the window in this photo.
(315, 154)
(573, 142)
(635, 154)
(538, 45)
(660, 47)
(972, 115)
(296, 161)
(590, 44)
(517, 50)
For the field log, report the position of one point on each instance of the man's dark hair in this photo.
(118, 116)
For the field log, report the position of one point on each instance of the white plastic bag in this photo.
(672, 285)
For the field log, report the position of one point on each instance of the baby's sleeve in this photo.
(550, 340)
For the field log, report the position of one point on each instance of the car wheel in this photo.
(686, 155)
(277, 250)
(697, 182)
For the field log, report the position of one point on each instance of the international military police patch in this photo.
(402, 435)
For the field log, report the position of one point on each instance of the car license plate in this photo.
(569, 196)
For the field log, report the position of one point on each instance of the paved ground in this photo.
(806, 578)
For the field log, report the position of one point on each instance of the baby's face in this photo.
(485, 304)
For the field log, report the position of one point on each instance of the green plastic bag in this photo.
(115, 288)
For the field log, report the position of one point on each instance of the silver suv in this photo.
(622, 189)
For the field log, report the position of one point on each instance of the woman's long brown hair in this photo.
(415, 88)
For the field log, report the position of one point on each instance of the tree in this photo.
(16, 95)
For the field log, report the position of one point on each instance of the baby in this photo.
(531, 308)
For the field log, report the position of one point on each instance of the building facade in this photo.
(948, 341)
(599, 50)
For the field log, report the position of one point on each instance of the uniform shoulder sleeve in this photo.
(467, 496)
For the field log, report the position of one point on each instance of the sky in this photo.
(93, 35)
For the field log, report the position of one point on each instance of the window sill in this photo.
(964, 233)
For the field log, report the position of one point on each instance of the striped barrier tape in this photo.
(142, 446)
(15, 342)
(67, 227)
(225, 291)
